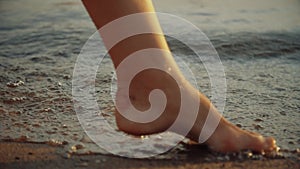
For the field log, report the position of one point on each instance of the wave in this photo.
(261, 45)
(248, 45)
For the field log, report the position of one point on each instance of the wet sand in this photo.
(29, 155)
(39, 127)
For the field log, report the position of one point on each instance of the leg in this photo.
(227, 137)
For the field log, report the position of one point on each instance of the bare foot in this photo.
(229, 138)
(226, 138)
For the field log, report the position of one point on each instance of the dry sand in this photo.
(29, 155)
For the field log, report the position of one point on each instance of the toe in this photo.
(270, 144)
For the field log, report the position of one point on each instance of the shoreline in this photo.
(34, 155)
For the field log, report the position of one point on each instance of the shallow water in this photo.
(40, 42)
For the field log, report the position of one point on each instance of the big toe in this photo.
(263, 144)
(270, 144)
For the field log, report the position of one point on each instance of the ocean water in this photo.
(258, 43)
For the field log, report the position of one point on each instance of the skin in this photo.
(226, 138)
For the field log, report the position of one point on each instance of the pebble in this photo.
(15, 84)
(77, 147)
(249, 154)
(47, 110)
(19, 98)
(143, 137)
(53, 142)
(257, 157)
(15, 100)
